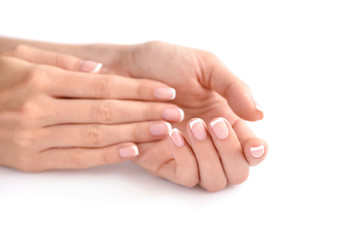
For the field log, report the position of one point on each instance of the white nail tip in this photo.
(191, 124)
(181, 114)
(173, 130)
(173, 93)
(169, 127)
(216, 121)
(97, 68)
(136, 150)
(259, 108)
(257, 152)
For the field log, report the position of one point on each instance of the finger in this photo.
(228, 146)
(183, 168)
(102, 135)
(60, 83)
(109, 111)
(254, 149)
(150, 159)
(212, 176)
(236, 92)
(67, 62)
(80, 158)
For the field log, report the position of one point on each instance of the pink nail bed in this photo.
(173, 114)
(257, 152)
(130, 151)
(160, 129)
(176, 137)
(220, 128)
(165, 93)
(90, 66)
(197, 127)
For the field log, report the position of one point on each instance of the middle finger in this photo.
(65, 111)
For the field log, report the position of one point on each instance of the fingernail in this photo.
(258, 107)
(176, 137)
(160, 129)
(165, 93)
(257, 152)
(220, 128)
(90, 66)
(173, 114)
(197, 127)
(130, 151)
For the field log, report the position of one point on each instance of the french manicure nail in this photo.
(220, 128)
(173, 114)
(197, 127)
(176, 137)
(257, 152)
(165, 93)
(130, 151)
(90, 66)
(160, 129)
(258, 107)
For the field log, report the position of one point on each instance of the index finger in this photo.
(61, 83)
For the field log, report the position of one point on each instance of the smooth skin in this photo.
(207, 90)
(51, 118)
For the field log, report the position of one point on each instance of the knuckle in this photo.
(76, 159)
(36, 78)
(23, 138)
(141, 88)
(104, 111)
(216, 185)
(148, 111)
(153, 43)
(135, 134)
(93, 135)
(19, 50)
(240, 177)
(32, 111)
(209, 55)
(102, 87)
(190, 183)
(105, 158)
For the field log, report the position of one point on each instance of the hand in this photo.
(52, 118)
(206, 89)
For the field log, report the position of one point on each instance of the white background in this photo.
(302, 60)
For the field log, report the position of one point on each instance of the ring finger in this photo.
(62, 111)
(90, 135)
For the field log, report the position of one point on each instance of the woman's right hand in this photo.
(51, 118)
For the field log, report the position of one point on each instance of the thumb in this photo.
(235, 91)
(67, 62)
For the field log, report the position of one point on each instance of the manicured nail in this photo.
(90, 66)
(160, 129)
(165, 93)
(197, 127)
(258, 107)
(257, 152)
(176, 137)
(131, 151)
(220, 128)
(173, 114)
